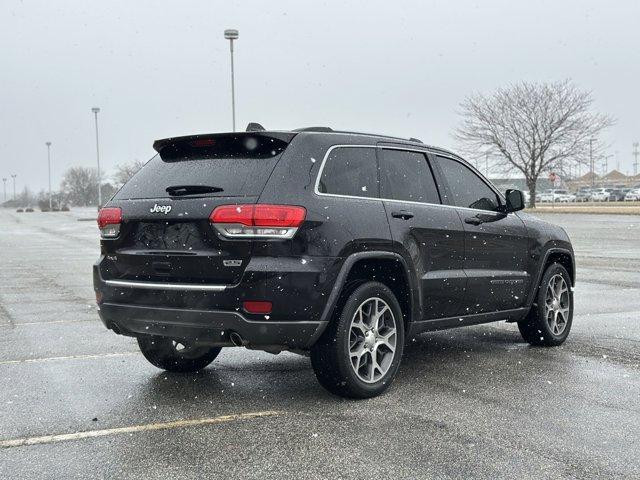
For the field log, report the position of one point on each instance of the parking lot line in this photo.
(21, 442)
(69, 357)
(51, 322)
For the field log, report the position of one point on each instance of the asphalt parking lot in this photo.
(78, 401)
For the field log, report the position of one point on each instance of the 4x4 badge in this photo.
(160, 209)
(232, 263)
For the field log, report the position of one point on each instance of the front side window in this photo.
(351, 171)
(406, 175)
(466, 188)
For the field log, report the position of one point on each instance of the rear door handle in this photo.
(403, 214)
(473, 221)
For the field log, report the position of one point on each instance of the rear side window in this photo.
(350, 171)
(406, 175)
(228, 166)
(466, 188)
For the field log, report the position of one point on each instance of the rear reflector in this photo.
(261, 308)
(109, 219)
(261, 220)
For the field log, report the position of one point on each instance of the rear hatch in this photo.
(165, 234)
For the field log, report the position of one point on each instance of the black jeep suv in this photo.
(334, 244)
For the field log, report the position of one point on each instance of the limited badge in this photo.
(232, 263)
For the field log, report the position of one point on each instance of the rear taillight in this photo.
(109, 219)
(258, 221)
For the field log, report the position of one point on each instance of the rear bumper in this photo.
(210, 326)
(298, 290)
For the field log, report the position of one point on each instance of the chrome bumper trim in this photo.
(166, 286)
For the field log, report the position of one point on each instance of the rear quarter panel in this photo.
(335, 227)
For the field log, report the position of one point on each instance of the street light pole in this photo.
(95, 111)
(48, 144)
(606, 163)
(231, 35)
(593, 174)
(14, 186)
(4, 185)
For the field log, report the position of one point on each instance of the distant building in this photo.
(612, 179)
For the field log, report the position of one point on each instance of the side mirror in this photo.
(515, 200)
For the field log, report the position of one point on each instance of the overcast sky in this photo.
(161, 68)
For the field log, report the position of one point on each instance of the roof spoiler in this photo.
(158, 145)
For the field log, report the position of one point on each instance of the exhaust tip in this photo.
(237, 339)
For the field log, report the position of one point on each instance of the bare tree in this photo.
(80, 185)
(532, 128)
(125, 171)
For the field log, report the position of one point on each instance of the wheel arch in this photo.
(562, 256)
(368, 266)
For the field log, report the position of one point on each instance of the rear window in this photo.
(233, 166)
(350, 171)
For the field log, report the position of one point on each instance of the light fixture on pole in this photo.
(231, 35)
(48, 144)
(95, 111)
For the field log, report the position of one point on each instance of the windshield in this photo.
(230, 176)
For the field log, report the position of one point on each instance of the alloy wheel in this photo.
(557, 304)
(372, 340)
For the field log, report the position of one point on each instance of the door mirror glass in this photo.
(515, 200)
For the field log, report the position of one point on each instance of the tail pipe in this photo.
(237, 339)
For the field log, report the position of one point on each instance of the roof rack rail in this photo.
(390, 137)
(330, 130)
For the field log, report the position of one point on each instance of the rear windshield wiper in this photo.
(182, 190)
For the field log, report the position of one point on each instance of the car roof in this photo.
(412, 141)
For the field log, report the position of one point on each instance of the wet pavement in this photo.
(78, 401)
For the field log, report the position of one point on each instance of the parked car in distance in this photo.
(599, 195)
(632, 196)
(616, 195)
(546, 196)
(337, 245)
(606, 195)
(583, 195)
(555, 195)
(566, 198)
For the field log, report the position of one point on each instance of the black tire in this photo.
(167, 354)
(330, 356)
(535, 328)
